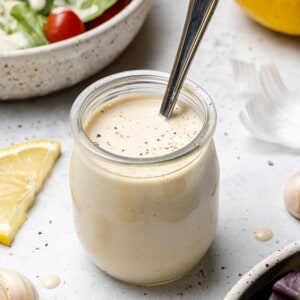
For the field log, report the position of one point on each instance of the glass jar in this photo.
(144, 220)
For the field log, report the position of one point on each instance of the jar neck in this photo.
(135, 83)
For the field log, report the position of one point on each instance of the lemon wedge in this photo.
(279, 15)
(23, 170)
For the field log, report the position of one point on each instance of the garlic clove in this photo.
(16, 286)
(292, 195)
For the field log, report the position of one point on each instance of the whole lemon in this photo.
(279, 15)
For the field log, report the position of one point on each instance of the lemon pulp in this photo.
(23, 170)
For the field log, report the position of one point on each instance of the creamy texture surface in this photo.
(263, 234)
(145, 224)
(50, 281)
(134, 128)
(15, 39)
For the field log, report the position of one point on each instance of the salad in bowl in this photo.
(32, 23)
(47, 48)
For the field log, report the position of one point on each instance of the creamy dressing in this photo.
(13, 41)
(145, 224)
(50, 281)
(37, 4)
(263, 234)
(84, 13)
(76, 6)
(134, 128)
(16, 39)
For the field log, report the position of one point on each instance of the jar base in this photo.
(149, 284)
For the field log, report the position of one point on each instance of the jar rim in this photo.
(203, 137)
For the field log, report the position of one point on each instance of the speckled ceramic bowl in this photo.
(266, 272)
(45, 69)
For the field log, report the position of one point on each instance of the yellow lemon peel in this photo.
(279, 15)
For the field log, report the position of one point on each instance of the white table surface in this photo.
(251, 190)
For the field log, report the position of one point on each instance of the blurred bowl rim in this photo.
(268, 267)
(130, 7)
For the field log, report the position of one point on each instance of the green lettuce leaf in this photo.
(30, 23)
(47, 9)
(87, 10)
(7, 22)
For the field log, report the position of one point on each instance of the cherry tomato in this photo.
(108, 14)
(62, 24)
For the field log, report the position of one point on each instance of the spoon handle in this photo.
(198, 16)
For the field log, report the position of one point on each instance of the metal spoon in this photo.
(198, 16)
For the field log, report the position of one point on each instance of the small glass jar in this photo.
(144, 220)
